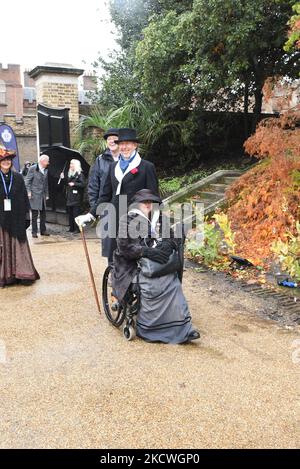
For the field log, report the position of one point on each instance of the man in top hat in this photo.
(100, 171)
(127, 176)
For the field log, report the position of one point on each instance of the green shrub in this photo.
(218, 243)
(208, 253)
(288, 253)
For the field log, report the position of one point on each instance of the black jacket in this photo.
(129, 250)
(14, 222)
(98, 175)
(75, 193)
(144, 178)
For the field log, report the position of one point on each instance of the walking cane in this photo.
(90, 267)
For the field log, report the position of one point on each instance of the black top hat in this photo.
(127, 135)
(109, 132)
(143, 195)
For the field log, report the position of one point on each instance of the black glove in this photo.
(156, 255)
(167, 246)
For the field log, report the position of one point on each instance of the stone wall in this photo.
(27, 149)
(25, 132)
(57, 87)
(60, 95)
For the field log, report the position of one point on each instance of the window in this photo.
(2, 92)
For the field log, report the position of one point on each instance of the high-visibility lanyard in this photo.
(7, 192)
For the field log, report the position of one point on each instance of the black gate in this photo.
(54, 140)
(53, 124)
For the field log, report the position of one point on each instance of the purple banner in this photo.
(8, 138)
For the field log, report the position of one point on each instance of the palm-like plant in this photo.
(89, 131)
(148, 121)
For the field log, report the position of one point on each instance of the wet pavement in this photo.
(70, 380)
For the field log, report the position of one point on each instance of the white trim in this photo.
(153, 222)
(119, 173)
(53, 78)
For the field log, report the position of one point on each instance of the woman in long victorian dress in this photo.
(16, 264)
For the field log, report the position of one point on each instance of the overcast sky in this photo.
(62, 31)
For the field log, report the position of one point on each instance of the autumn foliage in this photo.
(264, 203)
(293, 42)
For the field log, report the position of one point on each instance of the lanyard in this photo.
(7, 192)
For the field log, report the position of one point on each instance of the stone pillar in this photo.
(57, 87)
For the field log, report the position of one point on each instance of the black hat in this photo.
(145, 194)
(127, 135)
(109, 132)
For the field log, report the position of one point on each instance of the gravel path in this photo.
(69, 379)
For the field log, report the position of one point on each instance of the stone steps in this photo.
(219, 187)
(211, 195)
(228, 180)
(209, 191)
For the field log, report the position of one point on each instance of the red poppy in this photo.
(134, 171)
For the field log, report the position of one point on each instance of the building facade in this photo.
(55, 85)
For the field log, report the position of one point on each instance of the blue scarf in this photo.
(125, 163)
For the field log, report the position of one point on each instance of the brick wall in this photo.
(60, 95)
(10, 76)
(25, 126)
(25, 132)
(28, 81)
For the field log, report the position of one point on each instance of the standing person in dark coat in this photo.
(99, 173)
(75, 187)
(26, 168)
(38, 192)
(16, 263)
(129, 175)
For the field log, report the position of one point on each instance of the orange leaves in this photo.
(276, 138)
(264, 203)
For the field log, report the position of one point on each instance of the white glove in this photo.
(82, 220)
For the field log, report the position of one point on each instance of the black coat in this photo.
(98, 175)
(129, 250)
(144, 178)
(75, 193)
(14, 222)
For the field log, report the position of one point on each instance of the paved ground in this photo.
(70, 379)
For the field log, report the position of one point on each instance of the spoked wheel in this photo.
(113, 310)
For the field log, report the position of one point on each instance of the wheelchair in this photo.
(120, 314)
(124, 313)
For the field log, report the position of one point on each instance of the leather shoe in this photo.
(45, 234)
(194, 335)
(34, 235)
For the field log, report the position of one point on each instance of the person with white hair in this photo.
(75, 183)
(37, 187)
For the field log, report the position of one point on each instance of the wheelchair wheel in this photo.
(113, 310)
(129, 332)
